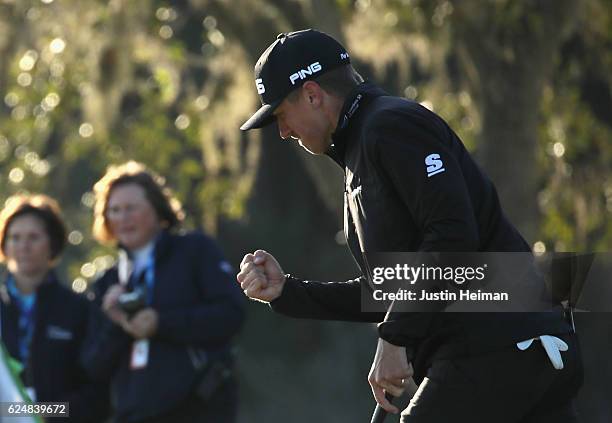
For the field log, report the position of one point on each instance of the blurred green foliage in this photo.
(84, 84)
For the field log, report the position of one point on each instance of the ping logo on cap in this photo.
(292, 59)
(301, 73)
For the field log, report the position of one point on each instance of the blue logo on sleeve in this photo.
(434, 165)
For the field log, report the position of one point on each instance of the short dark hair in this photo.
(167, 207)
(338, 82)
(44, 208)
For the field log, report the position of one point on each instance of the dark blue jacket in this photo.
(200, 307)
(60, 328)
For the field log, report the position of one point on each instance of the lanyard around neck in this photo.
(149, 277)
(27, 311)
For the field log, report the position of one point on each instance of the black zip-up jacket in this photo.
(410, 185)
(200, 307)
(53, 370)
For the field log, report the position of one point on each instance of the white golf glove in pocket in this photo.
(552, 345)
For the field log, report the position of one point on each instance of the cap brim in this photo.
(262, 117)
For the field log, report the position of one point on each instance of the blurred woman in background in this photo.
(170, 307)
(44, 324)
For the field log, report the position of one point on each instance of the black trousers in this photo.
(508, 386)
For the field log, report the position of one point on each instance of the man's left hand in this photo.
(389, 373)
(143, 324)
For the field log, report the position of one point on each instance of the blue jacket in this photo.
(60, 328)
(200, 307)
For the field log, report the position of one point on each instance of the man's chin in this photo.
(314, 153)
(305, 147)
(310, 150)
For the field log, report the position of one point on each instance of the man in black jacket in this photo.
(411, 186)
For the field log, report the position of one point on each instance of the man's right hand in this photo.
(261, 277)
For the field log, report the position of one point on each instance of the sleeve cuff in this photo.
(407, 331)
(286, 299)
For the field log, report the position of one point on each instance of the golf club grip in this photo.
(380, 413)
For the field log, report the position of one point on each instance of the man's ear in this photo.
(313, 93)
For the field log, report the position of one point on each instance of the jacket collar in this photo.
(353, 104)
(161, 245)
(42, 291)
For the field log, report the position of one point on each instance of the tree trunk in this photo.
(506, 51)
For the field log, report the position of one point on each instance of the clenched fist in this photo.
(261, 277)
